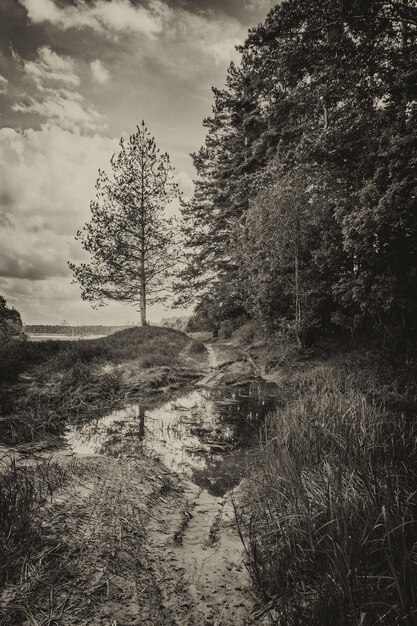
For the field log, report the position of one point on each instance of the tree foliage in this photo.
(130, 238)
(10, 322)
(318, 121)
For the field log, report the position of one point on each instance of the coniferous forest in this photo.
(259, 467)
(304, 212)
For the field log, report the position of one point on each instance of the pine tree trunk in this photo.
(142, 266)
(141, 433)
(143, 305)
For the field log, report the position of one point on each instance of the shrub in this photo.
(226, 329)
(197, 348)
(246, 333)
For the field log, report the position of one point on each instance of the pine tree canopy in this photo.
(130, 238)
(323, 103)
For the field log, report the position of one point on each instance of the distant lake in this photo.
(58, 337)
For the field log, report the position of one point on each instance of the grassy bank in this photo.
(45, 383)
(331, 505)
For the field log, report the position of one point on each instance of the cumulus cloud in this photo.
(46, 301)
(117, 16)
(68, 109)
(3, 84)
(260, 5)
(52, 300)
(100, 73)
(47, 179)
(32, 257)
(62, 104)
(51, 67)
(216, 37)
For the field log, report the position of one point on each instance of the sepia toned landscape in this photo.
(208, 313)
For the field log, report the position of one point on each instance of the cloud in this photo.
(67, 109)
(4, 219)
(99, 72)
(117, 16)
(261, 5)
(216, 36)
(212, 38)
(41, 10)
(3, 84)
(47, 178)
(52, 300)
(185, 183)
(32, 256)
(46, 301)
(60, 105)
(51, 67)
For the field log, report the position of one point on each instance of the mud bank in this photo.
(144, 530)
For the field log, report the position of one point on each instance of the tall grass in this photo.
(17, 357)
(22, 492)
(69, 378)
(332, 518)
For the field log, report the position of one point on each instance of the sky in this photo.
(75, 76)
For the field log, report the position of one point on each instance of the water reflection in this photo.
(206, 434)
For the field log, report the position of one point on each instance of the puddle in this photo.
(206, 434)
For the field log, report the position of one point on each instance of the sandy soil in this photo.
(131, 543)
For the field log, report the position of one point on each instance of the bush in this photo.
(197, 348)
(226, 329)
(246, 333)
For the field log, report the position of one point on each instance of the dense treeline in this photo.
(304, 212)
(62, 329)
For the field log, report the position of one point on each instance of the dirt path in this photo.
(131, 543)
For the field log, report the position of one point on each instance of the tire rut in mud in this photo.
(99, 568)
(134, 544)
(194, 542)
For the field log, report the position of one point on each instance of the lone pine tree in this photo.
(130, 238)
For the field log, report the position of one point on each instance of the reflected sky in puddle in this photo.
(206, 434)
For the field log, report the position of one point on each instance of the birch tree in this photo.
(130, 238)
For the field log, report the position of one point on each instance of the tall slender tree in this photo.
(130, 238)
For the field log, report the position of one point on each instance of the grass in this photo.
(22, 492)
(44, 383)
(18, 357)
(331, 507)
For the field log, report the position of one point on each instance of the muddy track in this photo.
(131, 543)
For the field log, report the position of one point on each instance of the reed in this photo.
(23, 489)
(331, 506)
